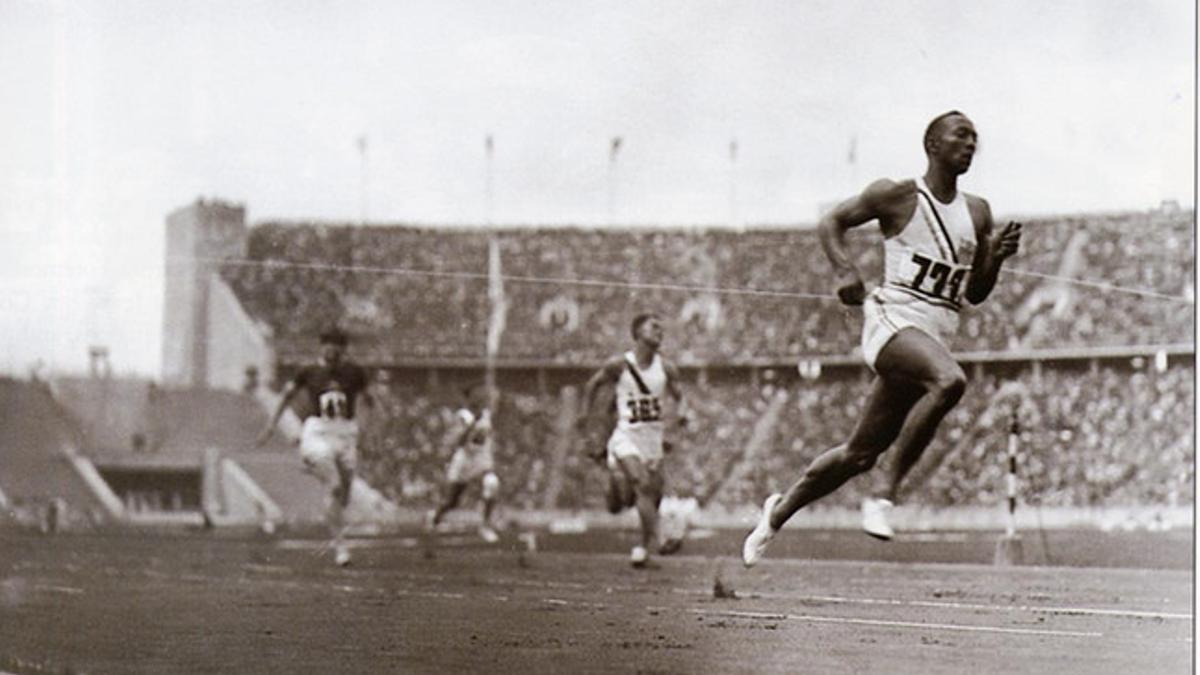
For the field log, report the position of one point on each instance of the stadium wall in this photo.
(198, 236)
(236, 343)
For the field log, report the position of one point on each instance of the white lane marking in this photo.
(777, 616)
(934, 604)
(812, 618)
(1036, 609)
(59, 589)
(437, 540)
(325, 544)
(401, 592)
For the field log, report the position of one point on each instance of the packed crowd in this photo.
(1114, 434)
(728, 296)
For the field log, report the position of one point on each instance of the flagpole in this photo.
(614, 148)
(852, 160)
(362, 187)
(496, 320)
(489, 182)
(733, 205)
(496, 307)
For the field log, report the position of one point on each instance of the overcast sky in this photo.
(115, 113)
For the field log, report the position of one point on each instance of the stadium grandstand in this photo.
(1088, 341)
(1093, 327)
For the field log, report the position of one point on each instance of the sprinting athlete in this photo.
(939, 249)
(473, 460)
(635, 448)
(329, 439)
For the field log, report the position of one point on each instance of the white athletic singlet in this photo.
(479, 438)
(930, 258)
(639, 431)
(925, 273)
(474, 457)
(639, 399)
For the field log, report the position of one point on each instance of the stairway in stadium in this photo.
(34, 470)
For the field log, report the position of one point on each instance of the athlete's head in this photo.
(647, 328)
(333, 345)
(950, 140)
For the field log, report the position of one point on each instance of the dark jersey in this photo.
(332, 390)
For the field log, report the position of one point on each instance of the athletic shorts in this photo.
(325, 443)
(469, 465)
(645, 444)
(885, 314)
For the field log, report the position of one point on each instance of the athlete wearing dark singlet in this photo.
(329, 436)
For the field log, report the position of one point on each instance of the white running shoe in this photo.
(760, 537)
(875, 518)
(488, 534)
(638, 556)
(341, 555)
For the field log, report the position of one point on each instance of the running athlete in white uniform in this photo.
(939, 248)
(635, 449)
(473, 460)
(329, 438)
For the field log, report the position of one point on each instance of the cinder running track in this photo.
(202, 603)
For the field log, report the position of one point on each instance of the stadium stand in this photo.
(414, 296)
(1117, 435)
(394, 307)
(1076, 322)
(35, 470)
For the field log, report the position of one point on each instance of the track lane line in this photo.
(887, 623)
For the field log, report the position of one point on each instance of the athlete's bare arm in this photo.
(673, 380)
(289, 392)
(682, 416)
(365, 396)
(890, 202)
(992, 249)
(365, 402)
(676, 392)
(609, 372)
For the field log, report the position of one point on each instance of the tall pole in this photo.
(1014, 431)
(496, 320)
(613, 149)
(489, 181)
(733, 204)
(852, 163)
(496, 302)
(362, 187)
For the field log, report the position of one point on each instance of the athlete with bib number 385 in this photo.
(635, 449)
(939, 249)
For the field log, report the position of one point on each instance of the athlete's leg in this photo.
(490, 490)
(646, 484)
(454, 492)
(337, 507)
(653, 495)
(613, 497)
(914, 356)
(620, 494)
(883, 415)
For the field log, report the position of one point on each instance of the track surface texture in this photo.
(164, 603)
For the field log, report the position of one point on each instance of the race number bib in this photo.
(936, 278)
(334, 405)
(646, 409)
